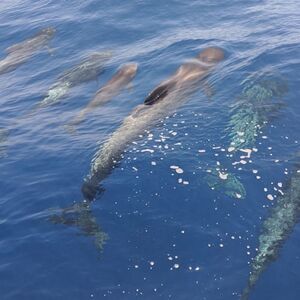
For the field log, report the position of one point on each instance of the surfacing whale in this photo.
(122, 78)
(161, 102)
(20, 53)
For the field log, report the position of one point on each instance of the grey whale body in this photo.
(161, 102)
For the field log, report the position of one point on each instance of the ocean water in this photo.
(153, 233)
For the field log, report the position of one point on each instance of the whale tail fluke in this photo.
(80, 215)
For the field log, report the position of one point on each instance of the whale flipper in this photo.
(159, 93)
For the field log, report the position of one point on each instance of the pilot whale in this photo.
(21, 52)
(87, 70)
(160, 103)
(276, 229)
(123, 76)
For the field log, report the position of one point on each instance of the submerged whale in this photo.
(276, 229)
(123, 76)
(161, 102)
(259, 102)
(21, 52)
(85, 71)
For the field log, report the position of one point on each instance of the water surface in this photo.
(167, 240)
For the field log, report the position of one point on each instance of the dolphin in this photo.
(276, 228)
(123, 76)
(21, 52)
(161, 102)
(85, 71)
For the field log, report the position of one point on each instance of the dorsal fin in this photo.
(158, 94)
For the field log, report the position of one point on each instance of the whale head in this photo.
(211, 55)
(49, 31)
(129, 69)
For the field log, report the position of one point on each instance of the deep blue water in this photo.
(166, 240)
